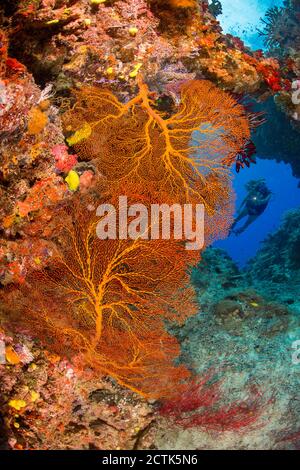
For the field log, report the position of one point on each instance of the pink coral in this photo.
(64, 161)
(86, 179)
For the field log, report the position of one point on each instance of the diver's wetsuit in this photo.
(253, 206)
(256, 206)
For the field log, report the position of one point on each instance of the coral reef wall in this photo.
(275, 269)
(281, 33)
(141, 52)
(51, 47)
(86, 41)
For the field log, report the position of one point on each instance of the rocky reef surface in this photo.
(248, 324)
(275, 270)
(48, 403)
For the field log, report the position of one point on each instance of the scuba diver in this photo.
(254, 204)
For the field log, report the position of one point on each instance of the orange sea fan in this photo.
(183, 3)
(109, 300)
(136, 142)
(176, 3)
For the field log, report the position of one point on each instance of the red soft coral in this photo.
(199, 406)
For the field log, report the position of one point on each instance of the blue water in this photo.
(242, 18)
(286, 195)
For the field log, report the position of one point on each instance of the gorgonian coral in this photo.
(108, 300)
(186, 154)
(201, 406)
(183, 3)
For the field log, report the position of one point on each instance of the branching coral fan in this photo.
(185, 154)
(183, 3)
(109, 300)
(201, 406)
